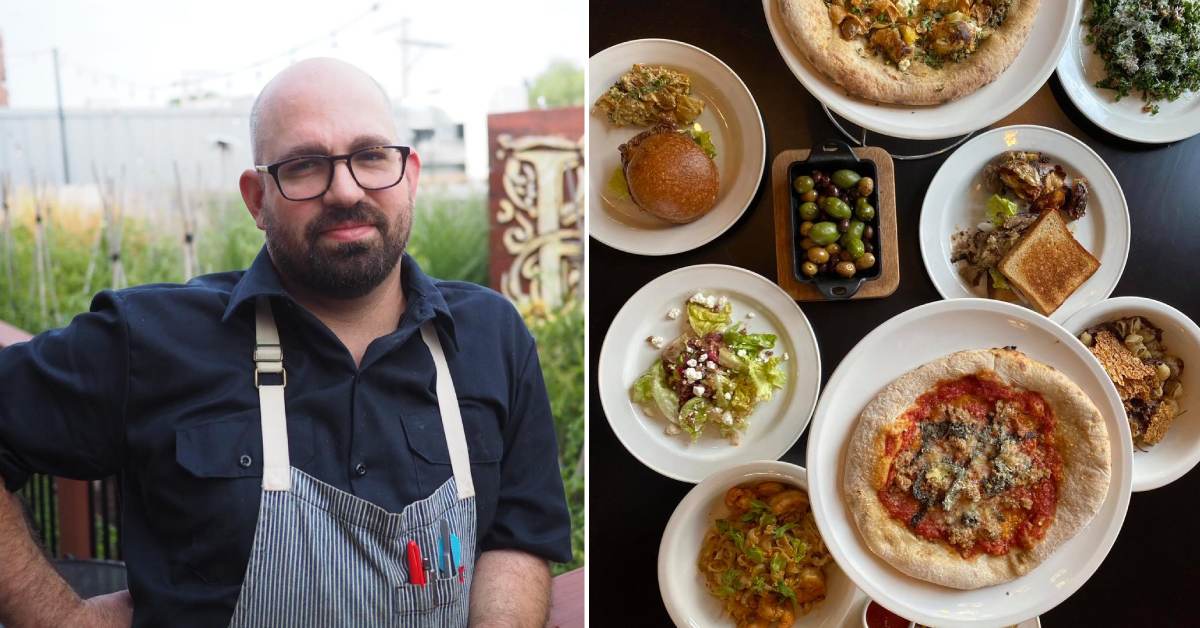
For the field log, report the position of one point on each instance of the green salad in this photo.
(714, 374)
(1148, 46)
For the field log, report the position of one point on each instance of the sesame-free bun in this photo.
(669, 175)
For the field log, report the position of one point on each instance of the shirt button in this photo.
(245, 461)
(360, 469)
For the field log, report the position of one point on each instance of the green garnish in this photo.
(755, 554)
(998, 281)
(703, 139)
(783, 589)
(1150, 46)
(1000, 209)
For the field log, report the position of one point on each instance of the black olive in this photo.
(843, 225)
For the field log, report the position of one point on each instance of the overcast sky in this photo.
(137, 52)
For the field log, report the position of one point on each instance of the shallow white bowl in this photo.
(1179, 450)
(684, 594)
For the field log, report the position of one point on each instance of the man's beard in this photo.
(349, 269)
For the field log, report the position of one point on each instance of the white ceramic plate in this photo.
(903, 343)
(775, 425)
(730, 114)
(679, 581)
(985, 106)
(957, 196)
(1179, 450)
(1080, 67)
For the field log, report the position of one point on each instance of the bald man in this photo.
(328, 438)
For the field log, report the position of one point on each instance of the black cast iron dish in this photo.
(828, 157)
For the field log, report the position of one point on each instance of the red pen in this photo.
(416, 567)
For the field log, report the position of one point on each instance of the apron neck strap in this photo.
(268, 358)
(452, 425)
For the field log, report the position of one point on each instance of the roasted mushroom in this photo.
(1076, 205)
(955, 34)
(1017, 172)
(892, 43)
(852, 26)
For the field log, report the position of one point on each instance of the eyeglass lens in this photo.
(372, 168)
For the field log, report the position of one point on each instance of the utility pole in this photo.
(62, 121)
(406, 59)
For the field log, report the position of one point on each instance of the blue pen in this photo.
(445, 546)
(456, 557)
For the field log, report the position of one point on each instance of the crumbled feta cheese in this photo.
(786, 357)
(698, 391)
(672, 429)
(673, 313)
(697, 298)
(741, 353)
(723, 301)
(711, 301)
(691, 374)
(703, 357)
(750, 314)
(711, 365)
(692, 363)
(728, 395)
(655, 341)
(727, 418)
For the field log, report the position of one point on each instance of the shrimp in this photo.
(779, 614)
(738, 498)
(787, 501)
(767, 489)
(811, 585)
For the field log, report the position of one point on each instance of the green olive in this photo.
(805, 227)
(846, 179)
(866, 261)
(834, 249)
(853, 245)
(807, 243)
(824, 233)
(809, 211)
(835, 207)
(818, 255)
(866, 185)
(845, 269)
(809, 196)
(857, 227)
(808, 268)
(803, 184)
(863, 210)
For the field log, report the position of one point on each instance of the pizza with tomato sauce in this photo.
(970, 470)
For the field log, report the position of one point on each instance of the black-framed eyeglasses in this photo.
(309, 176)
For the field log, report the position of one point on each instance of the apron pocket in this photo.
(411, 599)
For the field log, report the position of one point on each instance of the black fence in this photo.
(102, 520)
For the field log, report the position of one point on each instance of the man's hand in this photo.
(510, 589)
(112, 610)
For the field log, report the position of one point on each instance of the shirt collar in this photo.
(425, 300)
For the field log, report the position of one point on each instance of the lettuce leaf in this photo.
(694, 415)
(998, 280)
(703, 139)
(767, 376)
(652, 392)
(705, 321)
(753, 344)
(1000, 209)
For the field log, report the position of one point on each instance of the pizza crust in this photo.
(1083, 444)
(864, 74)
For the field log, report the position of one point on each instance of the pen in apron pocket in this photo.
(416, 566)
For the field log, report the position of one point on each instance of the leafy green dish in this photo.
(1149, 46)
(713, 374)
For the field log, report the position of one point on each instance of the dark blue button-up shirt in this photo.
(156, 384)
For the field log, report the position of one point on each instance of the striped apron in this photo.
(323, 557)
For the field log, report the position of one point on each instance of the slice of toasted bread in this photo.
(1047, 264)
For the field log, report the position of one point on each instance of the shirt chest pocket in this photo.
(212, 511)
(431, 454)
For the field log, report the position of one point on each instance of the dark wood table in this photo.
(1149, 577)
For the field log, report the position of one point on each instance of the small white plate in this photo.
(679, 581)
(1179, 451)
(1080, 67)
(775, 425)
(957, 196)
(730, 114)
(916, 337)
(1027, 73)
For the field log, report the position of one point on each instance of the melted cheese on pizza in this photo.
(973, 464)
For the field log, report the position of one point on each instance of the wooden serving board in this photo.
(889, 276)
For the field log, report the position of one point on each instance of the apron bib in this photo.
(324, 557)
